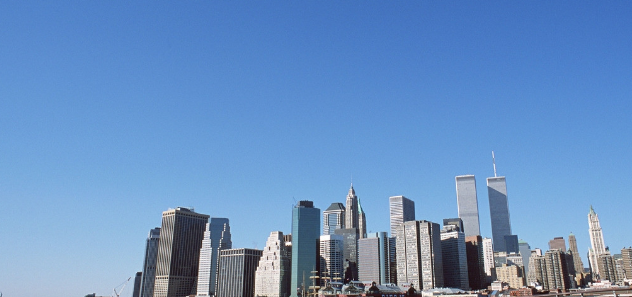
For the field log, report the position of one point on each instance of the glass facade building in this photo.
(149, 266)
(216, 238)
(499, 213)
(305, 235)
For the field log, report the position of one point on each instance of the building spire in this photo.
(494, 161)
(592, 211)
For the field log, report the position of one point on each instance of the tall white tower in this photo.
(351, 214)
(598, 247)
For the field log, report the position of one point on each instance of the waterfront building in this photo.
(598, 247)
(373, 258)
(331, 259)
(455, 274)
(179, 252)
(475, 262)
(557, 243)
(467, 203)
(419, 258)
(333, 218)
(578, 265)
(513, 275)
(272, 277)
(305, 236)
(149, 265)
(236, 273)
(217, 237)
(402, 210)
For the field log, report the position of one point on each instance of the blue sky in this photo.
(114, 111)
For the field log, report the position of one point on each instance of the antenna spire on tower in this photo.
(494, 161)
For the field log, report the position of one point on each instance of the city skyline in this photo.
(113, 112)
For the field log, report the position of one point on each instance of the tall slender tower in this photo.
(305, 236)
(577, 259)
(179, 252)
(402, 210)
(149, 267)
(467, 203)
(361, 221)
(596, 241)
(499, 210)
(216, 238)
(351, 214)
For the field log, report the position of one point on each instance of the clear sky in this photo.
(114, 111)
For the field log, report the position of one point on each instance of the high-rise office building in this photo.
(333, 218)
(149, 266)
(455, 274)
(607, 268)
(537, 271)
(349, 252)
(179, 252)
(419, 258)
(351, 214)
(361, 221)
(513, 275)
(331, 259)
(373, 258)
(488, 258)
(578, 265)
(236, 275)
(475, 262)
(402, 210)
(467, 203)
(525, 253)
(272, 278)
(216, 238)
(305, 236)
(137, 281)
(556, 270)
(596, 241)
(499, 212)
(626, 256)
(557, 243)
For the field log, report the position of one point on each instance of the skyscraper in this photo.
(467, 203)
(402, 210)
(419, 258)
(361, 221)
(331, 259)
(525, 253)
(179, 252)
(454, 257)
(577, 259)
(333, 218)
(488, 258)
(137, 281)
(596, 241)
(499, 212)
(216, 238)
(236, 276)
(349, 252)
(149, 266)
(556, 270)
(557, 243)
(272, 278)
(373, 258)
(351, 214)
(475, 262)
(305, 235)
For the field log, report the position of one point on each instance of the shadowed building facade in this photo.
(149, 266)
(236, 275)
(216, 238)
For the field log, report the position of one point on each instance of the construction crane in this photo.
(118, 294)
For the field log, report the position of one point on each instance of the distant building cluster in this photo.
(191, 254)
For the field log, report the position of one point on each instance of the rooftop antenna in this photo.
(494, 161)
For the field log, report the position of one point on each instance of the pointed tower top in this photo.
(359, 207)
(592, 211)
(351, 190)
